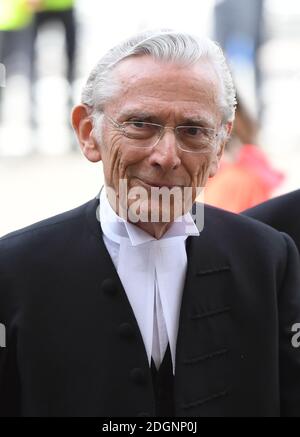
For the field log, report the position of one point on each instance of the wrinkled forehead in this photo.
(144, 77)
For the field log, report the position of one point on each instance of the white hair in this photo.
(165, 45)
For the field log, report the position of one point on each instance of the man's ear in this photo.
(83, 126)
(216, 160)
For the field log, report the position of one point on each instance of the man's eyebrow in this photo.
(197, 121)
(152, 117)
(135, 113)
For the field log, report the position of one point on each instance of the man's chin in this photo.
(153, 213)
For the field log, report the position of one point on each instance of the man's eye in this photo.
(192, 131)
(138, 124)
(139, 130)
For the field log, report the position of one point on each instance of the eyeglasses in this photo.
(192, 139)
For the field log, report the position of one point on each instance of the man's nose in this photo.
(166, 153)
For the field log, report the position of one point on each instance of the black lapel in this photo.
(205, 337)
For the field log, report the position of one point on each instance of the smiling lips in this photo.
(158, 185)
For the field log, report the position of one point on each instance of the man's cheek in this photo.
(203, 172)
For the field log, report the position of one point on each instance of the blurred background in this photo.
(48, 47)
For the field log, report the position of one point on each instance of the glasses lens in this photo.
(141, 134)
(195, 138)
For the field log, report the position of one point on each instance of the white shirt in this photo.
(152, 273)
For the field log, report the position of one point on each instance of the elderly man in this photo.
(121, 307)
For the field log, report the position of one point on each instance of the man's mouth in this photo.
(156, 184)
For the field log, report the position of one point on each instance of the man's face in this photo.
(171, 95)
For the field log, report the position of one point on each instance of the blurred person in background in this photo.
(246, 177)
(282, 213)
(111, 314)
(239, 28)
(63, 12)
(16, 17)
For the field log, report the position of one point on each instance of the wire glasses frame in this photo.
(191, 139)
